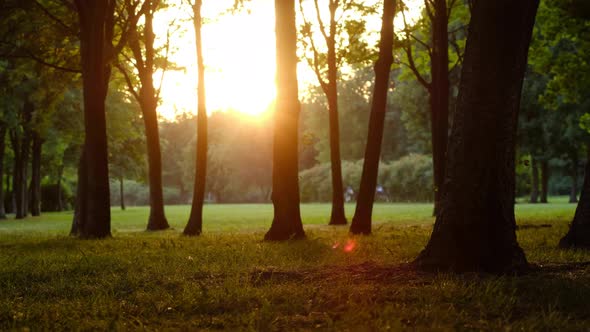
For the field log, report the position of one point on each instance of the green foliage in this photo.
(408, 179)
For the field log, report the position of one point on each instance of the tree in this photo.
(327, 74)
(286, 222)
(97, 23)
(475, 228)
(438, 15)
(361, 222)
(195, 221)
(141, 44)
(578, 235)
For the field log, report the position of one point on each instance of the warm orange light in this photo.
(350, 245)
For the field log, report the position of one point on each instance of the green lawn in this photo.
(229, 279)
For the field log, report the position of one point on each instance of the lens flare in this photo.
(350, 245)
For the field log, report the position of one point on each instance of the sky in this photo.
(239, 55)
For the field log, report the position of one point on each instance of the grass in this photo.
(229, 279)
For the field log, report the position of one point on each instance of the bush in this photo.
(407, 179)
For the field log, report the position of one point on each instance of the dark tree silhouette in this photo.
(475, 227)
(35, 190)
(93, 215)
(286, 223)
(329, 86)
(195, 221)
(2, 148)
(141, 44)
(361, 222)
(578, 235)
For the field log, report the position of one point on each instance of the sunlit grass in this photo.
(229, 279)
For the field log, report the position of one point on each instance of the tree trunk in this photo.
(36, 175)
(194, 225)
(21, 146)
(2, 148)
(148, 101)
(544, 180)
(96, 20)
(475, 227)
(60, 171)
(338, 216)
(535, 181)
(574, 187)
(361, 222)
(80, 205)
(122, 193)
(578, 235)
(157, 219)
(286, 223)
(439, 97)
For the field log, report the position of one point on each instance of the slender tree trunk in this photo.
(535, 181)
(60, 171)
(361, 222)
(338, 216)
(122, 192)
(80, 205)
(194, 225)
(2, 149)
(157, 219)
(544, 180)
(574, 187)
(286, 223)
(439, 97)
(148, 101)
(475, 227)
(578, 235)
(36, 175)
(96, 20)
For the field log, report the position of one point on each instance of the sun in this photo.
(239, 55)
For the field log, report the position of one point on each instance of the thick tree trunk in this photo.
(96, 19)
(574, 186)
(2, 149)
(338, 216)
(286, 223)
(475, 227)
(439, 97)
(361, 222)
(21, 148)
(544, 180)
(535, 181)
(122, 192)
(194, 225)
(578, 235)
(36, 175)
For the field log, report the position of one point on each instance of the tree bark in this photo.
(361, 222)
(21, 146)
(96, 20)
(535, 181)
(60, 171)
(439, 97)
(148, 101)
(194, 225)
(338, 216)
(574, 186)
(36, 175)
(475, 227)
(122, 193)
(286, 223)
(544, 180)
(2, 149)
(578, 235)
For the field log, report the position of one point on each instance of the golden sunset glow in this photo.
(239, 54)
